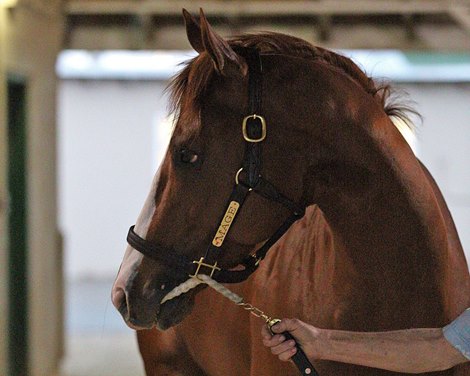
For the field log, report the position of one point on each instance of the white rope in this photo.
(196, 281)
(181, 289)
(237, 299)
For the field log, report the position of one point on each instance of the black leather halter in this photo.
(254, 132)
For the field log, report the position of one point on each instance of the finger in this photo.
(286, 325)
(265, 332)
(274, 340)
(285, 356)
(283, 347)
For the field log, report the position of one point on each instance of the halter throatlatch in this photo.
(248, 179)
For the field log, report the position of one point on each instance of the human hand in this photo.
(304, 334)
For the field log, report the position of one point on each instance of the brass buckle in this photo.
(201, 263)
(263, 128)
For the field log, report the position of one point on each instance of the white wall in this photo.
(444, 145)
(107, 161)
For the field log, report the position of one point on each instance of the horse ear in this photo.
(193, 31)
(225, 59)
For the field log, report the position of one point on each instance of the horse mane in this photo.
(187, 88)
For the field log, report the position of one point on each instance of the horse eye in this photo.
(188, 156)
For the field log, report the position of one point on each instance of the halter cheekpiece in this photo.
(247, 179)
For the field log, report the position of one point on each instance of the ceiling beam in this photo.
(260, 8)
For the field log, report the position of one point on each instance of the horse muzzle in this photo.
(139, 302)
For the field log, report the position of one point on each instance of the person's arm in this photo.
(410, 351)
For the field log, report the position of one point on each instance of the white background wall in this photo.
(109, 140)
(444, 146)
(108, 145)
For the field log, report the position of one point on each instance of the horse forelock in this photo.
(188, 87)
(186, 90)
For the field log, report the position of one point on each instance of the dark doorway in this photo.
(17, 229)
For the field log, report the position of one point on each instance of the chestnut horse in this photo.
(376, 250)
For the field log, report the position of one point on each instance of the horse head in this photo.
(304, 103)
(189, 194)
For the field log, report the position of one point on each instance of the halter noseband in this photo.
(254, 132)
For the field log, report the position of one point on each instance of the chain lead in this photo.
(255, 311)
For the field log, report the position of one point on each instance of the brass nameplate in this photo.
(225, 224)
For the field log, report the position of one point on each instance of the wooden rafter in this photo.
(265, 8)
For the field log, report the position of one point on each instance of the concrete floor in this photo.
(108, 355)
(97, 341)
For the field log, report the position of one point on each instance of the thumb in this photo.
(286, 325)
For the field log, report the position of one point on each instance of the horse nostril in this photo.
(119, 299)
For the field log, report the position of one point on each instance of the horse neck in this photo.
(384, 215)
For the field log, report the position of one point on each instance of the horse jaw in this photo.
(174, 311)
